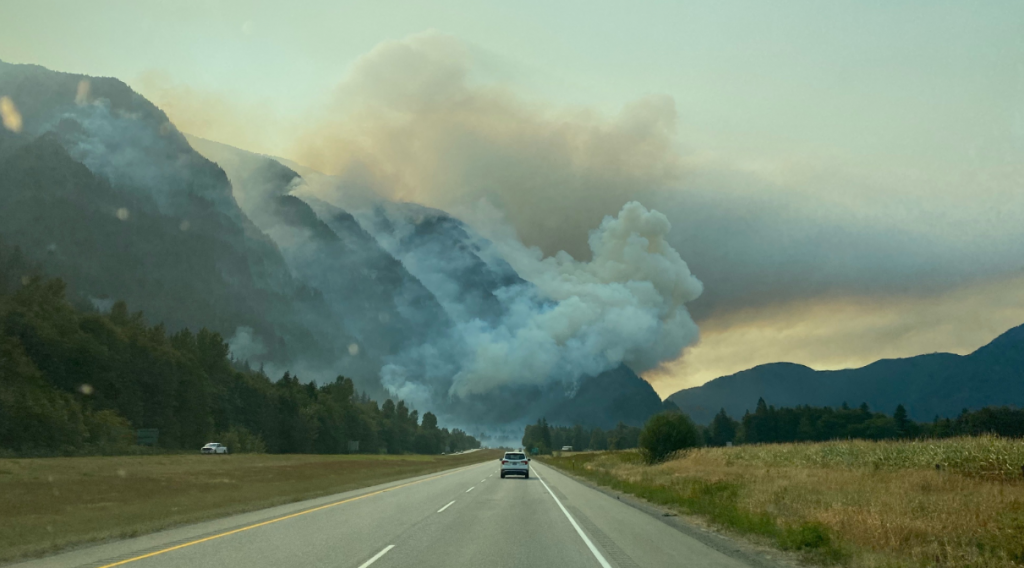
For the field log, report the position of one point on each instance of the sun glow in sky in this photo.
(847, 178)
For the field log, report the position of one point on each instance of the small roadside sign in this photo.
(147, 436)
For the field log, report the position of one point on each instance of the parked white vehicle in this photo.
(214, 448)
(515, 463)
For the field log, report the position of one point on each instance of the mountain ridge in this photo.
(928, 385)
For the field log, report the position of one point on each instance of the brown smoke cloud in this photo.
(411, 120)
(414, 121)
(255, 126)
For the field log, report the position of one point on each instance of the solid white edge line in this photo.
(579, 531)
(446, 506)
(470, 489)
(377, 557)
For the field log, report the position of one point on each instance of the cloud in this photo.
(413, 121)
(559, 320)
(245, 345)
(254, 125)
(416, 120)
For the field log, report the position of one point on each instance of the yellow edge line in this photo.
(272, 521)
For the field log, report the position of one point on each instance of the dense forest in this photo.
(768, 424)
(74, 381)
(807, 423)
(544, 437)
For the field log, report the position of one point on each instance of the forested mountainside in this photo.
(74, 381)
(98, 188)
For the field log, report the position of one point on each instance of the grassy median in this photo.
(52, 503)
(950, 503)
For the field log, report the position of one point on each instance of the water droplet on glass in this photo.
(9, 115)
(122, 214)
(82, 94)
(353, 349)
(184, 226)
(85, 389)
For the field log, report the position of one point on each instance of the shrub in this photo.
(241, 441)
(666, 433)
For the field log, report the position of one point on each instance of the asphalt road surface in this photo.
(464, 518)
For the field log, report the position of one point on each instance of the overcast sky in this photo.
(845, 177)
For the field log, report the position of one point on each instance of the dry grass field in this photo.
(857, 504)
(53, 503)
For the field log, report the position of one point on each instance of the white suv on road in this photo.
(515, 463)
(214, 448)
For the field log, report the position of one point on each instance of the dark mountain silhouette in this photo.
(937, 384)
(101, 190)
(605, 400)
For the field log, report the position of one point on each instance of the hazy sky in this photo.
(846, 177)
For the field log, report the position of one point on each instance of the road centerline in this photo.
(377, 556)
(470, 489)
(579, 531)
(446, 506)
(277, 519)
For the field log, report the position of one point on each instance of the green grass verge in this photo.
(716, 501)
(48, 504)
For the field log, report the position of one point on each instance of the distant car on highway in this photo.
(515, 463)
(214, 448)
(566, 448)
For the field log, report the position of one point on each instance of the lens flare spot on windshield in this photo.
(122, 214)
(353, 349)
(82, 94)
(10, 115)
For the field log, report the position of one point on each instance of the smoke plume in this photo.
(568, 319)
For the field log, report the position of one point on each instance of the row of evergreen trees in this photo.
(768, 424)
(76, 381)
(544, 437)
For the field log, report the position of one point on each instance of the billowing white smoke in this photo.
(245, 345)
(573, 319)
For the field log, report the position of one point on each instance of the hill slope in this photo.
(100, 189)
(937, 384)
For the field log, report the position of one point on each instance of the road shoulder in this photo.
(742, 550)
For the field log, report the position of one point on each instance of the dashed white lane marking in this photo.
(470, 489)
(579, 531)
(483, 480)
(445, 507)
(377, 557)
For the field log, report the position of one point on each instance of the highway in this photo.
(464, 518)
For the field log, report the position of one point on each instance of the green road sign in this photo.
(147, 436)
